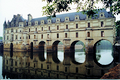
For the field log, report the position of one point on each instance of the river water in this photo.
(103, 57)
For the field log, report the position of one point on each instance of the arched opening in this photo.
(103, 52)
(77, 54)
(42, 51)
(58, 53)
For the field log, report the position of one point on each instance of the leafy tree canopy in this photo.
(87, 6)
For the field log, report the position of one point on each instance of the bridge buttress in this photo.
(67, 52)
(89, 52)
(49, 52)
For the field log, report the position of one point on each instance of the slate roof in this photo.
(71, 16)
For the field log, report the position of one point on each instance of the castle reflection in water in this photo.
(27, 65)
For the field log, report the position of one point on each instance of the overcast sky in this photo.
(8, 8)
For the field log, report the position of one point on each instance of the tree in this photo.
(118, 28)
(87, 6)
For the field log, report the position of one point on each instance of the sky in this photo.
(8, 8)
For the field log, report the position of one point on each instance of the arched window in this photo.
(66, 26)
(29, 30)
(88, 34)
(29, 36)
(42, 28)
(102, 33)
(57, 35)
(76, 34)
(76, 25)
(88, 25)
(42, 36)
(57, 27)
(49, 27)
(65, 35)
(34, 36)
(102, 23)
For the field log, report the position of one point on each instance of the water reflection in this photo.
(104, 52)
(104, 56)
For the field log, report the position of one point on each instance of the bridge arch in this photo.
(42, 48)
(55, 55)
(77, 52)
(103, 48)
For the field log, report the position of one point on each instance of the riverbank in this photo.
(113, 73)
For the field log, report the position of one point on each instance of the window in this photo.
(34, 36)
(102, 33)
(29, 36)
(16, 30)
(88, 71)
(20, 30)
(76, 69)
(42, 36)
(36, 29)
(47, 66)
(49, 27)
(65, 35)
(65, 69)
(76, 25)
(76, 34)
(57, 27)
(12, 37)
(102, 23)
(16, 36)
(88, 34)
(15, 63)
(29, 30)
(57, 35)
(101, 15)
(88, 25)
(41, 66)
(76, 17)
(7, 37)
(42, 28)
(11, 30)
(20, 37)
(57, 67)
(34, 64)
(7, 62)
(66, 26)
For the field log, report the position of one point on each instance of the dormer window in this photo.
(57, 19)
(102, 15)
(49, 21)
(36, 22)
(67, 19)
(42, 21)
(77, 17)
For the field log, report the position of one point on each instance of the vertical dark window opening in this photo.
(65, 35)
(102, 33)
(76, 26)
(88, 25)
(57, 35)
(102, 23)
(88, 34)
(66, 26)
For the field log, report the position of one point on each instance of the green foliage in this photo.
(87, 6)
(0, 38)
(118, 28)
